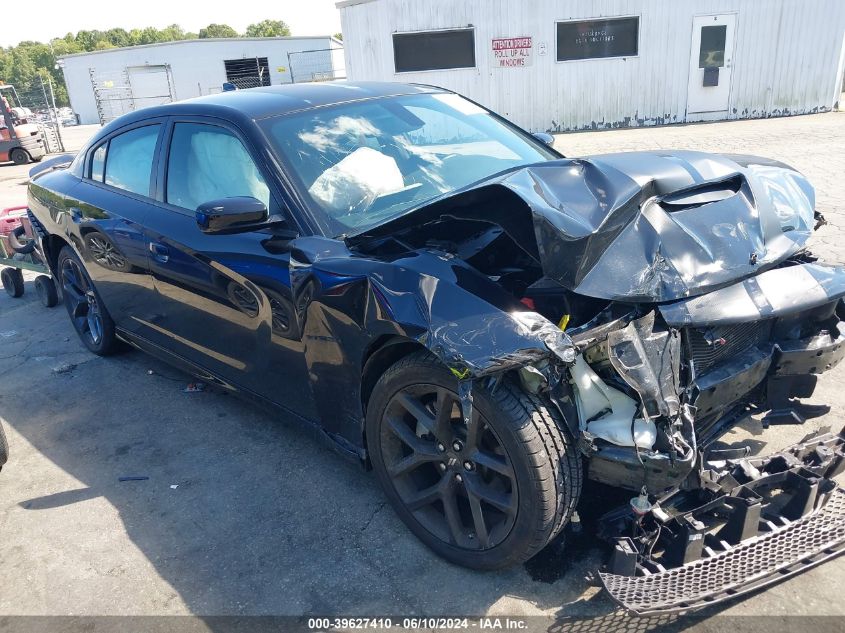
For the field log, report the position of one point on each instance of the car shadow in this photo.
(244, 513)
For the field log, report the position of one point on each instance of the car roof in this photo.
(259, 103)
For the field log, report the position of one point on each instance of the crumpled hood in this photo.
(657, 226)
(648, 226)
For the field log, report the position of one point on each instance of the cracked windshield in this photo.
(363, 164)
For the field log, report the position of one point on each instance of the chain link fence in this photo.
(324, 64)
(132, 88)
(35, 103)
(242, 83)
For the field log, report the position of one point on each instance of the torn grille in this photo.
(786, 550)
(711, 346)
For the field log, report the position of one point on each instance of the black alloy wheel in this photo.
(486, 494)
(87, 313)
(455, 478)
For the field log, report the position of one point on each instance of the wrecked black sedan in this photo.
(482, 321)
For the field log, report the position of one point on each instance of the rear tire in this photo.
(87, 312)
(512, 476)
(12, 279)
(19, 156)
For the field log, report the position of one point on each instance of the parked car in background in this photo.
(482, 321)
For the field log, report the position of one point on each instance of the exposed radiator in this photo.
(710, 346)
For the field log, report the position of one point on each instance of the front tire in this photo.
(89, 316)
(486, 495)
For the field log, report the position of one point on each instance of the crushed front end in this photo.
(688, 301)
(655, 390)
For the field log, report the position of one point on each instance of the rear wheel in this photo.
(19, 156)
(89, 316)
(487, 494)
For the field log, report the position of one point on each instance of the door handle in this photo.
(159, 252)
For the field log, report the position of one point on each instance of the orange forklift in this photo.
(20, 141)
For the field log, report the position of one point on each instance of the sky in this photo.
(55, 18)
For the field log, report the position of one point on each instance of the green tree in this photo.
(149, 35)
(217, 30)
(268, 28)
(88, 40)
(338, 36)
(174, 33)
(118, 37)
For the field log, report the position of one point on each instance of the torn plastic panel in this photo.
(607, 413)
(639, 227)
(649, 361)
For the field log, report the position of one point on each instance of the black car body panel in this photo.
(652, 298)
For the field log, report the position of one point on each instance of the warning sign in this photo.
(512, 52)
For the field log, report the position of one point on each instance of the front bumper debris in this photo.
(754, 522)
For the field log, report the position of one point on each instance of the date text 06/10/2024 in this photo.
(409, 624)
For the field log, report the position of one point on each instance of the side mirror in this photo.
(231, 215)
(545, 138)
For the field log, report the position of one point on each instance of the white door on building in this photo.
(151, 85)
(711, 61)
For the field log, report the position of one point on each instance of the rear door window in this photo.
(129, 159)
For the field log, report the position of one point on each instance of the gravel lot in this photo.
(244, 514)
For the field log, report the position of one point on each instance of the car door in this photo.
(223, 302)
(107, 209)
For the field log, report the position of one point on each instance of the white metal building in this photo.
(559, 65)
(104, 84)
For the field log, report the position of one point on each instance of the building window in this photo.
(712, 51)
(434, 50)
(596, 39)
(248, 73)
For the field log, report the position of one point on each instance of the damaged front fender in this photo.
(348, 306)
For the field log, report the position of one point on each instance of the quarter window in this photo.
(98, 163)
(207, 163)
(129, 159)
